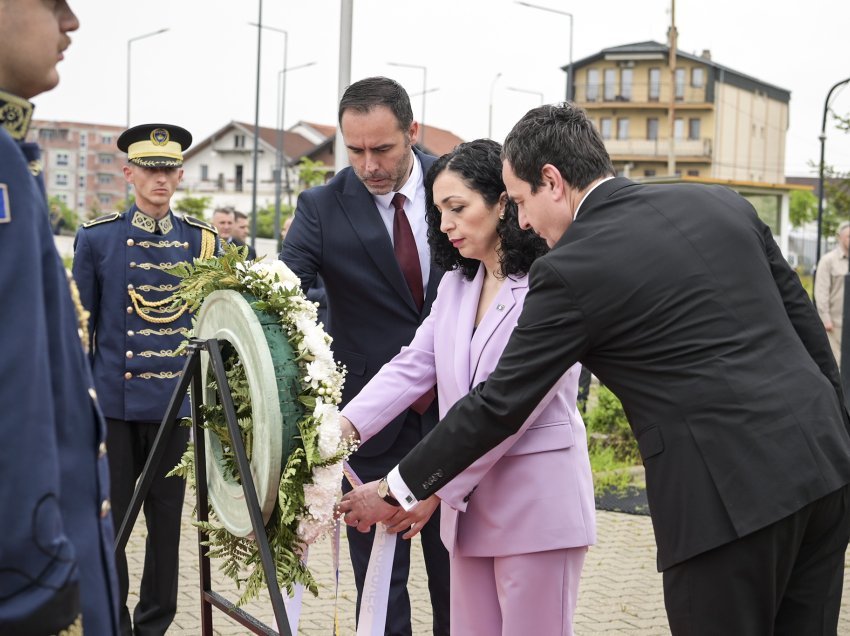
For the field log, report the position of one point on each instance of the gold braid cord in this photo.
(164, 375)
(145, 308)
(75, 629)
(82, 313)
(165, 331)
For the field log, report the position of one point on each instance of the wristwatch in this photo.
(384, 492)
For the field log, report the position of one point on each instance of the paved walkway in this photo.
(620, 589)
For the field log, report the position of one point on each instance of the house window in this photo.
(610, 88)
(104, 179)
(652, 128)
(605, 127)
(680, 83)
(623, 128)
(693, 173)
(238, 177)
(205, 172)
(61, 158)
(649, 173)
(106, 140)
(697, 77)
(83, 140)
(104, 158)
(82, 161)
(693, 129)
(654, 84)
(678, 128)
(592, 84)
(81, 183)
(61, 179)
(238, 141)
(626, 77)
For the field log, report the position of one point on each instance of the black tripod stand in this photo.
(191, 375)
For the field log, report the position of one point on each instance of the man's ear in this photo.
(553, 180)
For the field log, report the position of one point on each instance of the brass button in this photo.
(130, 309)
(128, 376)
(130, 287)
(131, 333)
(129, 355)
(132, 264)
(105, 507)
(186, 245)
(92, 393)
(101, 449)
(131, 242)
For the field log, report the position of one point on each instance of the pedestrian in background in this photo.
(829, 289)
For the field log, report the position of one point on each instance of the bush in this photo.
(608, 427)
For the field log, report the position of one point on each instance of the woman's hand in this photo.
(412, 520)
(348, 430)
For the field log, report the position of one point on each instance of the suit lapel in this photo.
(467, 307)
(359, 206)
(503, 303)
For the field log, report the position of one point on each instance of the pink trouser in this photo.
(520, 595)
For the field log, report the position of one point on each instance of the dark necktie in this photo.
(404, 246)
(407, 255)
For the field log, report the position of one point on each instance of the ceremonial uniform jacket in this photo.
(56, 541)
(120, 263)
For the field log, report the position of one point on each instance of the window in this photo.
(652, 128)
(105, 199)
(592, 84)
(62, 197)
(623, 128)
(238, 141)
(654, 84)
(83, 140)
(693, 173)
(697, 77)
(104, 158)
(81, 183)
(82, 161)
(680, 83)
(678, 128)
(693, 129)
(626, 77)
(61, 158)
(106, 140)
(610, 87)
(605, 127)
(61, 179)
(205, 172)
(238, 180)
(649, 173)
(104, 179)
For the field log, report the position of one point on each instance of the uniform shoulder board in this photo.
(106, 218)
(201, 224)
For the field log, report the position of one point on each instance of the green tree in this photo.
(193, 206)
(311, 173)
(62, 218)
(803, 207)
(265, 219)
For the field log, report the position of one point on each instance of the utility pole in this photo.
(671, 110)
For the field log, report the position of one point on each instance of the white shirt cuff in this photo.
(400, 490)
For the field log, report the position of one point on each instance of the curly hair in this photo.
(479, 164)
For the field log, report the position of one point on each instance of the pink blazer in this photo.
(531, 493)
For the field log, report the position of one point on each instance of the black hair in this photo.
(364, 95)
(479, 164)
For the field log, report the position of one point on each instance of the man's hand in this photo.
(362, 507)
(411, 521)
(828, 325)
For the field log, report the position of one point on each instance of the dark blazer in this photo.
(678, 299)
(337, 232)
(56, 543)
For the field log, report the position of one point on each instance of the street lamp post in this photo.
(524, 90)
(821, 168)
(424, 92)
(490, 113)
(256, 128)
(570, 79)
(129, 43)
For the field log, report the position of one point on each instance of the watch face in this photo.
(383, 488)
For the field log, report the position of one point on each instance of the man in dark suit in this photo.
(365, 234)
(678, 299)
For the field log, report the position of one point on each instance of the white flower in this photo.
(330, 433)
(277, 273)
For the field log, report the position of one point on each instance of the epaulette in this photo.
(106, 218)
(201, 224)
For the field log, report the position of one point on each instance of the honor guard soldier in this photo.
(57, 573)
(121, 262)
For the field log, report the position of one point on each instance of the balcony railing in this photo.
(637, 92)
(659, 147)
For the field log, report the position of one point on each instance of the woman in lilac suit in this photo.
(518, 521)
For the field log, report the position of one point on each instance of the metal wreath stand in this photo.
(220, 313)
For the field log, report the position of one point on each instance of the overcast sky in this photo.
(202, 72)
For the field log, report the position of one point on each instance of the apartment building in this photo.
(82, 164)
(725, 125)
